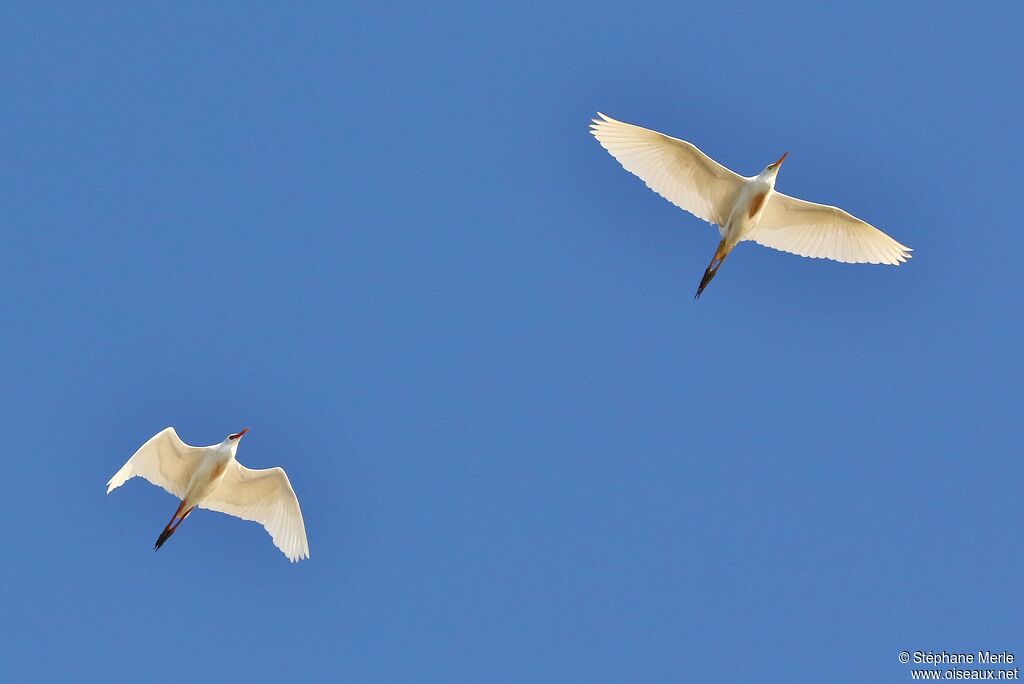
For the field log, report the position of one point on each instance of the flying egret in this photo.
(210, 477)
(744, 208)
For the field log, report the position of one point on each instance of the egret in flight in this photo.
(745, 208)
(209, 477)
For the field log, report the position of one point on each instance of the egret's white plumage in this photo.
(745, 208)
(210, 477)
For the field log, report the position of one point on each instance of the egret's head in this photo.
(236, 437)
(773, 168)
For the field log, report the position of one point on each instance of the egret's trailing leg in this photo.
(172, 525)
(713, 267)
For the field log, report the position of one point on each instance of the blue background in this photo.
(383, 239)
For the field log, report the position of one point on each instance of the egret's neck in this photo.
(767, 178)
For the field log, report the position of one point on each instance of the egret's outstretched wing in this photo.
(824, 232)
(164, 460)
(673, 168)
(266, 497)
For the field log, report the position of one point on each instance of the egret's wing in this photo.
(164, 460)
(673, 168)
(266, 497)
(824, 232)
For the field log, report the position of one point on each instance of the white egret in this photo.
(745, 208)
(210, 477)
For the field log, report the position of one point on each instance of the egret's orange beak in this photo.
(781, 159)
(238, 435)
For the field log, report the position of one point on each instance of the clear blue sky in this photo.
(384, 240)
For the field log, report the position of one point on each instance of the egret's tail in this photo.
(172, 525)
(713, 267)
